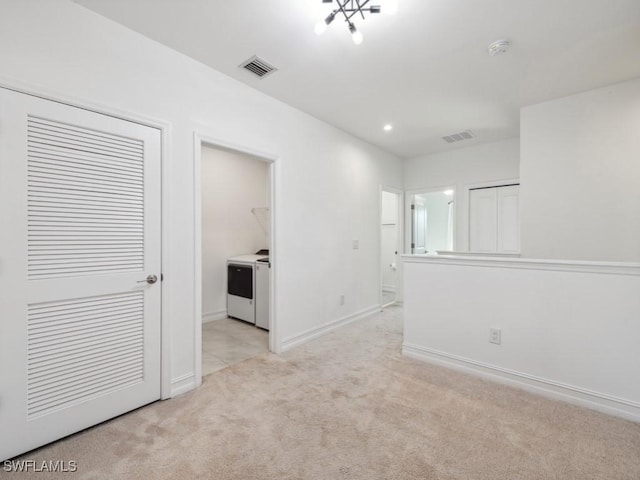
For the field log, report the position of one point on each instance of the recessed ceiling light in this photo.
(388, 127)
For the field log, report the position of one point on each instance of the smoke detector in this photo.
(498, 47)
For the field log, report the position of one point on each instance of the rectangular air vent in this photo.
(459, 137)
(258, 67)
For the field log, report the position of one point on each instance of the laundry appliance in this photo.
(248, 288)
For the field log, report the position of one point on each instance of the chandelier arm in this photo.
(361, 7)
(350, 12)
(347, 17)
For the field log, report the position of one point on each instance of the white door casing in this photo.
(80, 228)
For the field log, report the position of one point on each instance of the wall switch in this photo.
(341, 299)
(495, 336)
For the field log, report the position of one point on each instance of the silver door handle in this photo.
(151, 279)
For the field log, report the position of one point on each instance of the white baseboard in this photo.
(611, 405)
(183, 384)
(299, 339)
(213, 316)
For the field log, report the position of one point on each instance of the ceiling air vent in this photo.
(258, 67)
(459, 137)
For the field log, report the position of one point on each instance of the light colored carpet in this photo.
(350, 406)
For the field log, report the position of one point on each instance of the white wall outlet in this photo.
(356, 244)
(495, 336)
(341, 299)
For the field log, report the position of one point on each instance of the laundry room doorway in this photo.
(235, 260)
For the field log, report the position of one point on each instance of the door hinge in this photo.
(413, 245)
(162, 277)
(413, 207)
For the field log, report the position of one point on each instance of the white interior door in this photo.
(509, 219)
(483, 220)
(494, 219)
(80, 233)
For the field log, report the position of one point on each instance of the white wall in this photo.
(580, 171)
(461, 168)
(232, 185)
(327, 185)
(569, 330)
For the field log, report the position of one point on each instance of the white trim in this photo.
(594, 400)
(477, 254)
(165, 128)
(611, 268)
(183, 384)
(82, 103)
(315, 332)
(197, 258)
(202, 136)
(214, 316)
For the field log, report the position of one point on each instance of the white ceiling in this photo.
(425, 70)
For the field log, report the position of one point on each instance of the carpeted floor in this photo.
(349, 406)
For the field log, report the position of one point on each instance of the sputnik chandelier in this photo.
(350, 9)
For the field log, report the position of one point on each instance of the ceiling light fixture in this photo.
(351, 8)
(388, 127)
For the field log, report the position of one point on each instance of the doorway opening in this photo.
(236, 257)
(432, 220)
(390, 244)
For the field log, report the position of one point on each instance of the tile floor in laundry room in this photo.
(228, 341)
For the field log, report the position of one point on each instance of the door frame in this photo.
(204, 136)
(165, 168)
(399, 242)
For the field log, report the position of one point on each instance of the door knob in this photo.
(151, 279)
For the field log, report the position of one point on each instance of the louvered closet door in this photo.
(79, 229)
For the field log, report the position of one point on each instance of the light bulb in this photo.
(388, 127)
(356, 36)
(320, 27)
(390, 7)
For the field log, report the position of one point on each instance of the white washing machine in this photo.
(243, 292)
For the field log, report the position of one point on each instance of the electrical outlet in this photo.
(495, 336)
(341, 299)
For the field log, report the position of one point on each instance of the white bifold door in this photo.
(79, 269)
(494, 219)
